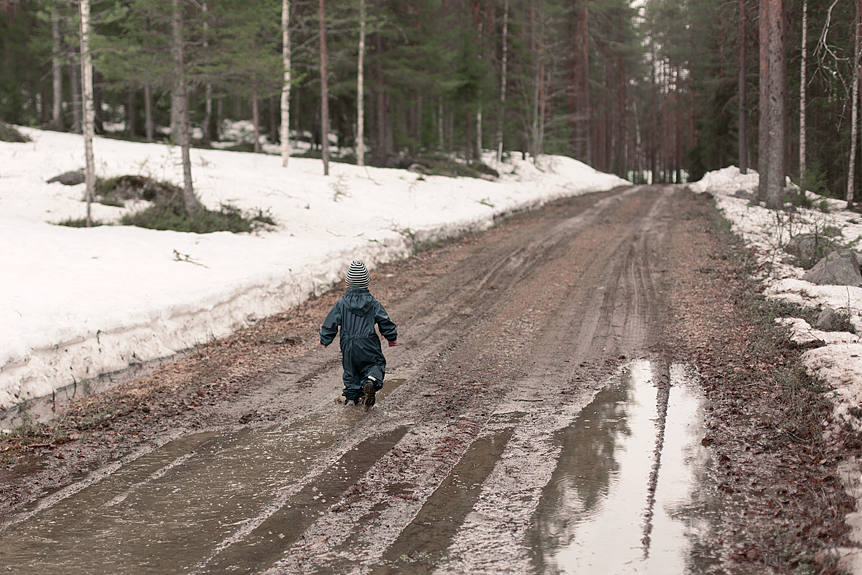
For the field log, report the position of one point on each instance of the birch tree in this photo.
(802, 95)
(88, 112)
(324, 91)
(180, 98)
(56, 70)
(854, 135)
(360, 90)
(503, 72)
(285, 89)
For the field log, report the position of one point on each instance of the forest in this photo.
(652, 90)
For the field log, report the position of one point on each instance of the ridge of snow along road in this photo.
(77, 303)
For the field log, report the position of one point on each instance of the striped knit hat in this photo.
(357, 275)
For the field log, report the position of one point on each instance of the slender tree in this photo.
(775, 177)
(803, 89)
(360, 89)
(854, 114)
(743, 146)
(503, 72)
(285, 88)
(89, 112)
(324, 91)
(180, 99)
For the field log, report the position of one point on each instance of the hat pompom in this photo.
(357, 275)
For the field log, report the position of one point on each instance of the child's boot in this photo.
(370, 389)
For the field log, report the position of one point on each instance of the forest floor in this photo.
(502, 335)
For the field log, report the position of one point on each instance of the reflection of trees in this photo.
(583, 474)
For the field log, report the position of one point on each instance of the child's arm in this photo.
(330, 326)
(387, 326)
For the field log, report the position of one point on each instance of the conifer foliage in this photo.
(655, 90)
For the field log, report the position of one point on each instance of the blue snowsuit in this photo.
(356, 313)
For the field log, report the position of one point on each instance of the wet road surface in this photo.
(530, 422)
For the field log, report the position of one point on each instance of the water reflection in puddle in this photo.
(626, 495)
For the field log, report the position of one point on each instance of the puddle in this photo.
(627, 495)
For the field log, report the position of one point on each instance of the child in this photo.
(356, 313)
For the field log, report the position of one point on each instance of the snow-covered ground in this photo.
(75, 303)
(839, 361)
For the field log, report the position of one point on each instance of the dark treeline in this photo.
(652, 89)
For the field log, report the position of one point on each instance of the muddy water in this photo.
(626, 496)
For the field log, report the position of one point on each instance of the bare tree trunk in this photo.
(854, 134)
(743, 148)
(255, 116)
(285, 87)
(208, 89)
(148, 112)
(763, 104)
(803, 91)
(181, 100)
(585, 112)
(75, 84)
(57, 71)
(89, 113)
(360, 90)
(324, 91)
(775, 178)
(131, 112)
(503, 72)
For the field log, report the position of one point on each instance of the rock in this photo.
(827, 320)
(836, 269)
(809, 248)
(744, 194)
(417, 168)
(69, 178)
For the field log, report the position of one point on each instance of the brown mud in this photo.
(235, 457)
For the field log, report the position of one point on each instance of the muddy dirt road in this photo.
(542, 414)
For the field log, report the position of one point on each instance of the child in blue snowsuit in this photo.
(356, 313)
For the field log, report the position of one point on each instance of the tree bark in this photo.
(775, 177)
(181, 100)
(285, 86)
(763, 103)
(324, 91)
(148, 112)
(57, 71)
(803, 91)
(503, 72)
(75, 85)
(89, 114)
(743, 148)
(255, 115)
(360, 90)
(854, 114)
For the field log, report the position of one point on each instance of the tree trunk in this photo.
(75, 85)
(585, 112)
(57, 71)
(854, 114)
(742, 148)
(775, 177)
(324, 91)
(181, 100)
(503, 72)
(148, 112)
(285, 86)
(130, 112)
(360, 90)
(763, 103)
(255, 116)
(89, 115)
(803, 92)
